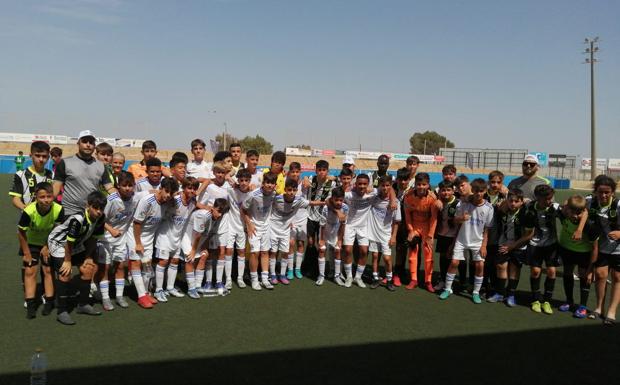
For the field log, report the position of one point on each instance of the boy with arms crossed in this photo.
(475, 217)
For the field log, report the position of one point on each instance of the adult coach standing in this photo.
(80, 175)
(529, 180)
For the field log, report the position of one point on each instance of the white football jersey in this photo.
(143, 184)
(235, 199)
(331, 222)
(283, 213)
(173, 225)
(471, 232)
(199, 169)
(381, 218)
(148, 212)
(259, 205)
(359, 207)
(119, 214)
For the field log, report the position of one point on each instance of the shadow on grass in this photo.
(577, 355)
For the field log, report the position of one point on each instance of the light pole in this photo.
(591, 50)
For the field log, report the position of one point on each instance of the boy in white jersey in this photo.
(359, 202)
(331, 233)
(285, 206)
(218, 188)
(255, 211)
(169, 235)
(119, 217)
(178, 167)
(382, 229)
(236, 235)
(476, 218)
(153, 178)
(299, 234)
(195, 242)
(251, 161)
(198, 167)
(146, 221)
(345, 179)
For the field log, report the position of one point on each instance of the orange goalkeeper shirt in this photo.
(420, 213)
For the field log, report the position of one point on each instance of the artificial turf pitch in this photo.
(303, 334)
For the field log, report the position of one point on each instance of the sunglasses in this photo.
(528, 164)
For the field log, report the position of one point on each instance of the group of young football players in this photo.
(200, 216)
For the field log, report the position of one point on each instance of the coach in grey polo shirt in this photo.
(529, 180)
(80, 175)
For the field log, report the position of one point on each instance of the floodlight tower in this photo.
(591, 49)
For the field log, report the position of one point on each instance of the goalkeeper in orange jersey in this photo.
(421, 208)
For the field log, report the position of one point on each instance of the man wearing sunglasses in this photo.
(529, 180)
(80, 175)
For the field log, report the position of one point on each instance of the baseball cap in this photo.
(348, 160)
(529, 158)
(86, 133)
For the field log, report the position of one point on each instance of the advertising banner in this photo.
(557, 160)
(586, 163)
(58, 139)
(613, 165)
(298, 151)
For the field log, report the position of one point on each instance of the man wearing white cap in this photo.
(349, 163)
(529, 180)
(80, 175)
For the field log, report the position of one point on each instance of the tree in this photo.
(428, 142)
(302, 146)
(229, 139)
(257, 143)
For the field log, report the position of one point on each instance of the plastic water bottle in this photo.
(38, 368)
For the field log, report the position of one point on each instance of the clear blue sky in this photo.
(325, 73)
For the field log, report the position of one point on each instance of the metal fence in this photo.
(509, 161)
